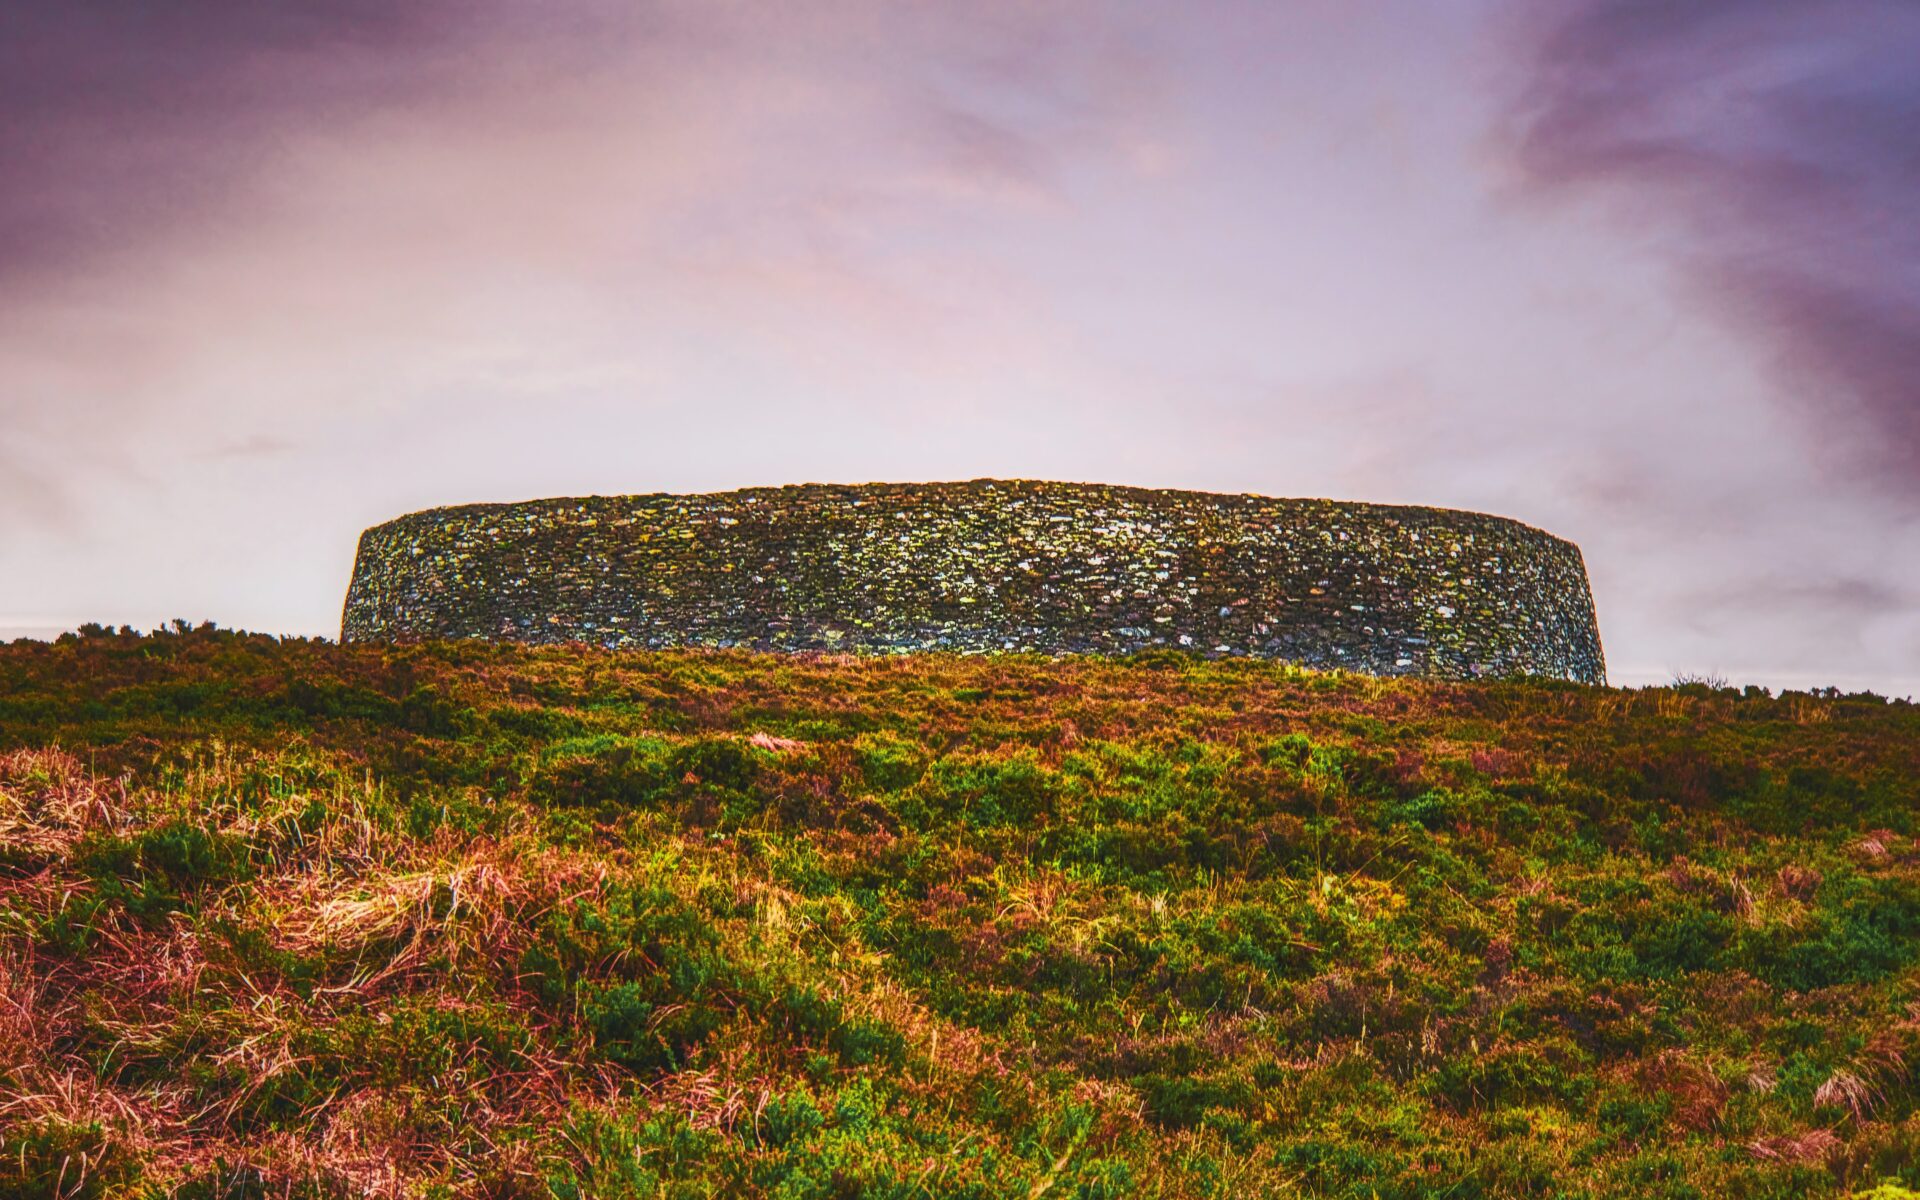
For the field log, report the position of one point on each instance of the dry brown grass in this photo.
(1813, 1147)
(394, 908)
(1844, 1089)
(1795, 882)
(39, 1084)
(779, 745)
(49, 800)
(1698, 1094)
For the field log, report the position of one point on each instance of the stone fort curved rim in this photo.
(991, 565)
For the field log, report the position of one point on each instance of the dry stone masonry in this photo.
(992, 565)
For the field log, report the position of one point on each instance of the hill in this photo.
(296, 919)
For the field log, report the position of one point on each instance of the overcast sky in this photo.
(1645, 274)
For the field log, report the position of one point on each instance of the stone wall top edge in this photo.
(1358, 508)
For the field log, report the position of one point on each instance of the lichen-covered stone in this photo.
(992, 565)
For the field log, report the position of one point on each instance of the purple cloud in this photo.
(1783, 138)
(120, 118)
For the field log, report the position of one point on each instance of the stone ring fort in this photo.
(992, 565)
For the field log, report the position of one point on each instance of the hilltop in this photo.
(459, 919)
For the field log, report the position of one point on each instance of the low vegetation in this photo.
(284, 918)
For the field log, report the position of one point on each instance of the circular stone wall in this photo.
(991, 565)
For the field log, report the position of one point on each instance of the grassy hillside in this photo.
(296, 919)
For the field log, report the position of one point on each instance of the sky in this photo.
(1644, 274)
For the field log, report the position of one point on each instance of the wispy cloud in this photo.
(1842, 602)
(253, 446)
(30, 495)
(1780, 141)
(120, 119)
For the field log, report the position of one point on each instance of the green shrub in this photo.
(153, 872)
(53, 1159)
(888, 765)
